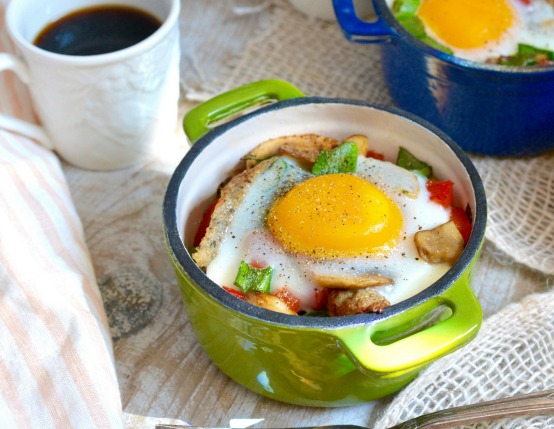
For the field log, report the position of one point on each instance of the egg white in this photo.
(248, 238)
(538, 30)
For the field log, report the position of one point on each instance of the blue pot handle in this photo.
(358, 30)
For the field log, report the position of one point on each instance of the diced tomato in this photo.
(376, 155)
(544, 63)
(441, 192)
(320, 299)
(526, 2)
(201, 232)
(234, 292)
(292, 302)
(257, 264)
(461, 220)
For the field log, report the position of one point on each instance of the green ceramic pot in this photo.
(317, 361)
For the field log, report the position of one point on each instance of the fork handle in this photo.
(520, 405)
(513, 406)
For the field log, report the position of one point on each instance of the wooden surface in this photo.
(162, 370)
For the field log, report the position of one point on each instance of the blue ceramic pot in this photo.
(487, 109)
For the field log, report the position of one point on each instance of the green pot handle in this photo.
(421, 347)
(197, 121)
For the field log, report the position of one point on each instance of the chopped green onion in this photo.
(408, 161)
(527, 55)
(413, 25)
(342, 159)
(405, 7)
(251, 279)
(434, 44)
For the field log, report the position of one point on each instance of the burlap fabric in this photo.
(514, 351)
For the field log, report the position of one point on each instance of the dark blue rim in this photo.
(385, 13)
(180, 254)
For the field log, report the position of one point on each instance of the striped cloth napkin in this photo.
(56, 361)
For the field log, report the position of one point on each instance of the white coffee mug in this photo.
(98, 112)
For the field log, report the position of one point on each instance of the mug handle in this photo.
(9, 123)
(358, 30)
(197, 121)
(421, 347)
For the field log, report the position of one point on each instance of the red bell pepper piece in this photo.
(375, 155)
(461, 220)
(441, 192)
(201, 231)
(292, 302)
(257, 264)
(234, 292)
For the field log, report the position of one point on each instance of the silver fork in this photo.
(539, 403)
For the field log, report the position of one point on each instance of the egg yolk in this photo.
(335, 215)
(466, 24)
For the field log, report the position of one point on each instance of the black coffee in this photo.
(97, 30)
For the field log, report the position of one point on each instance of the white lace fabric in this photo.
(520, 195)
(512, 354)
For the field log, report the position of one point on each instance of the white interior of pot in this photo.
(386, 131)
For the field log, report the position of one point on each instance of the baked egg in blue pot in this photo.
(324, 248)
(481, 70)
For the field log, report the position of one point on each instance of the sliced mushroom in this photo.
(441, 244)
(269, 302)
(358, 281)
(362, 142)
(342, 302)
(304, 147)
(231, 197)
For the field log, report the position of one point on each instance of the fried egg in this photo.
(482, 29)
(305, 226)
